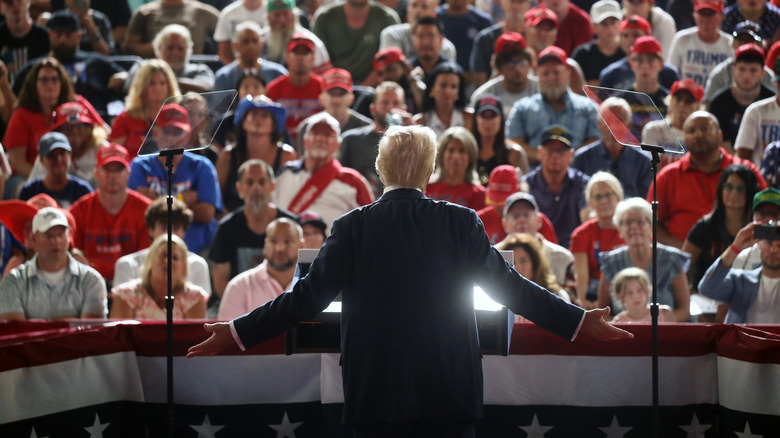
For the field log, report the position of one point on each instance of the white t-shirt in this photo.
(235, 13)
(760, 126)
(664, 28)
(694, 58)
(765, 309)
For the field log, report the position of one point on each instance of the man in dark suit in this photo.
(406, 266)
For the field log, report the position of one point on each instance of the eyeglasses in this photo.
(739, 188)
(606, 196)
(48, 80)
(628, 222)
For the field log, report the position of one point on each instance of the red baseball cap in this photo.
(751, 49)
(112, 153)
(690, 86)
(510, 41)
(300, 40)
(173, 114)
(715, 5)
(552, 53)
(502, 183)
(636, 22)
(536, 16)
(337, 78)
(71, 112)
(388, 56)
(646, 45)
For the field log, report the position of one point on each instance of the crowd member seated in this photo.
(633, 217)
(85, 135)
(194, 178)
(350, 31)
(595, 235)
(240, 238)
(455, 179)
(558, 188)
(480, 62)
(662, 24)
(494, 148)
(444, 102)
(749, 294)
(631, 167)
(46, 87)
(313, 229)
(152, 86)
(22, 38)
(248, 43)
(427, 39)
(173, 44)
(110, 220)
(766, 207)
(255, 287)
(149, 19)
(55, 153)
(699, 172)
(300, 89)
(318, 182)
(618, 74)
(684, 98)
(746, 87)
(712, 234)
(117, 11)
(259, 124)
(144, 297)
(400, 35)
(230, 17)
(760, 124)
(631, 287)
(521, 215)
(574, 26)
(646, 61)
(462, 22)
(93, 75)
(358, 146)
(513, 62)
(130, 267)
(391, 65)
(554, 104)
(283, 23)
(765, 13)
(96, 28)
(596, 55)
(52, 285)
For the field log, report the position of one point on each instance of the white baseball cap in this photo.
(48, 217)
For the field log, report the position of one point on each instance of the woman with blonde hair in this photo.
(154, 83)
(144, 297)
(456, 178)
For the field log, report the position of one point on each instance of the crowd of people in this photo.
(555, 173)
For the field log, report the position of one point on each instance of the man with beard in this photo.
(400, 35)
(318, 181)
(750, 294)
(94, 76)
(283, 22)
(248, 43)
(358, 146)
(255, 287)
(174, 45)
(240, 238)
(513, 62)
(698, 172)
(729, 104)
(555, 104)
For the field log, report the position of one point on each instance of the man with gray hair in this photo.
(318, 181)
(173, 44)
(52, 285)
(406, 267)
(248, 43)
(630, 166)
(283, 23)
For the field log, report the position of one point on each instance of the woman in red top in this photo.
(45, 87)
(456, 178)
(596, 235)
(154, 83)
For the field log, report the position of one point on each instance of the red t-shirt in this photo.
(588, 238)
(465, 194)
(134, 129)
(574, 30)
(103, 237)
(301, 102)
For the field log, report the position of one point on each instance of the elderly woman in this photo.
(633, 218)
(144, 298)
(596, 235)
(151, 87)
(456, 177)
(259, 123)
(443, 105)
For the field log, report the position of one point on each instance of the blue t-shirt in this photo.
(194, 172)
(619, 75)
(463, 29)
(7, 244)
(75, 189)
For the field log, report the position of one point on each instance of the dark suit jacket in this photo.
(407, 266)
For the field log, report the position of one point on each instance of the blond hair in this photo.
(159, 244)
(134, 103)
(406, 156)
